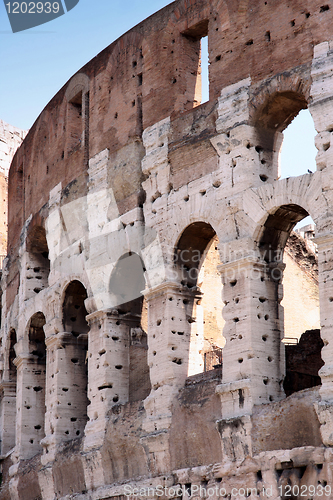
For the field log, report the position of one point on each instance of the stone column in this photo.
(108, 363)
(248, 155)
(66, 389)
(8, 416)
(321, 105)
(253, 361)
(170, 309)
(30, 405)
(321, 108)
(325, 265)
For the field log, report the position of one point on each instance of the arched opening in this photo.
(197, 260)
(271, 119)
(73, 379)
(298, 152)
(297, 304)
(12, 355)
(34, 379)
(127, 282)
(74, 310)
(37, 262)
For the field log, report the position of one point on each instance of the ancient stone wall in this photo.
(10, 139)
(118, 194)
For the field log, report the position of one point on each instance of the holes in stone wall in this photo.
(268, 36)
(177, 361)
(74, 311)
(38, 264)
(196, 261)
(34, 391)
(324, 8)
(105, 386)
(75, 353)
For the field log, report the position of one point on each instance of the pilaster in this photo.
(170, 315)
(108, 363)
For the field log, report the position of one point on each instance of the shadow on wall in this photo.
(303, 362)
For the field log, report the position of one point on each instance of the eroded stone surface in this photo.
(126, 184)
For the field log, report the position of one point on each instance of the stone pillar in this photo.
(170, 308)
(66, 389)
(248, 155)
(8, 416)
(253, 365)
(108, 362)
(321, 105)
(253, 356)
(325, 265)
(30, 405)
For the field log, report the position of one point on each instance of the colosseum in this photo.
(164, 332)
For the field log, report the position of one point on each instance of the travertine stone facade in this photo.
(113, 377)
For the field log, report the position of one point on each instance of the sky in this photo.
(36, 63)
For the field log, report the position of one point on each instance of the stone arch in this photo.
(190, 250)
(126, 286)
(281, 97)
(79, 83)
(127, 281)
(304, 191)
(272, 242)
(77, 122)
(85, 282)
(276, 230)
(37, 263)
(183, 16)
(74, 311)
(272, 107)
(196, 259)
